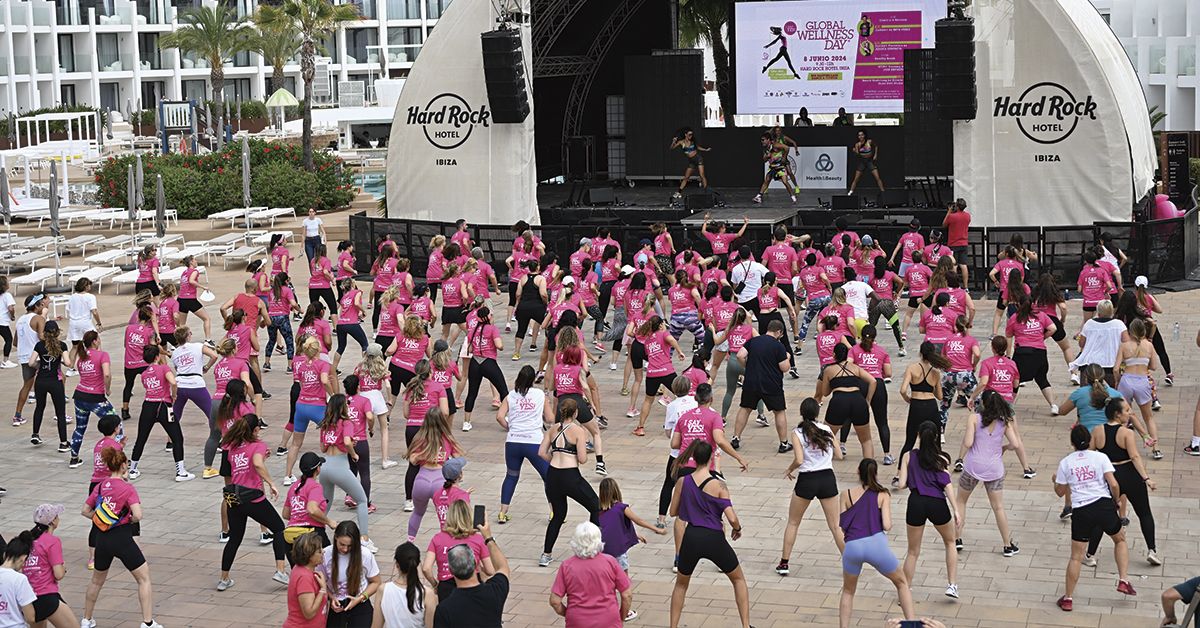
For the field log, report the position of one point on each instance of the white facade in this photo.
(1161, 38)
(105, 53)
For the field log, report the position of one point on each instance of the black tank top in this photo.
(923, 385)
(844, 378)
(530, 292)
(1116, 454)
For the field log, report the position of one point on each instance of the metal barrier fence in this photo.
(1163, 250)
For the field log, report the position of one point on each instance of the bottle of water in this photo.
(1175, 334)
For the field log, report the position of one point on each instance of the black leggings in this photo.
(919, 411)
(58, 396)
(6, 334)
(1032, 365)
(529, 311)
(323, 294)
(1134, 489)
(157, 412)
(131, 375)
(263, 513)
(880, 412)
(410, 476)
(354, 330)
(358, 616)
(668, 487)
(561, 484)
(1159, 347)
(605, 297)
(362, 468)
(476, 372)
(375, 309)
(400, 377)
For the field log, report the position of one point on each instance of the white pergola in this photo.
(37, 134)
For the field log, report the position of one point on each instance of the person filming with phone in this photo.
(475, 603)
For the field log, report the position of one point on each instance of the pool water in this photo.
(373, 184)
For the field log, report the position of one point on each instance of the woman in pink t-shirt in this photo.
(916, 280)
(321, 278)
(281, 302)
(597, 590)
(345, 263)
(818, 291)
(137, 335)
(734, 336)
(167, 313)
(348, 322)
(305, 505)
(659, 350)
(887, 286)
(91, 394)
(337, 446)
(1094, 284)
(938, 323)
(358, 409)
(383, 275)
(410, 347)
(315, 324)
(374, 379)
(962, 350)
(315, 377)
(485, 344)
(147, 267)
(435, 265)
(873, 358)
(456, 292)
(1028, 330)
(45, 567)
(189, 291)
(307, 592)
(457, 529)
(403, 281)
(159, 382)
(246, 498)
(391, 312)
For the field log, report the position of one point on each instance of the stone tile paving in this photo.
(181, 521)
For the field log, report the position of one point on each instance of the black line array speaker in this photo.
(698, 200)
(928, 139)
(846, 201)
(954, 69)
(504, 73)
(893, 197)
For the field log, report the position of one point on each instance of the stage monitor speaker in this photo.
(893, 198)
(504, 76)
(846, 201)
(601, 196)
(954, 69)
(698, 200)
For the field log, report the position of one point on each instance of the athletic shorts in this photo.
(453, 315)
(306, 413)
(865, 165)
(1100, 515)
(968, 482)
(775, 402)
(1089, 308)
(1060, 333)
(705, 543)
(916, 301)
(190, 305)
(637, 354)
(1187, 589)
(653, 383)
(28, 372)
(1135, 388)
(847, 407)
(872, 550)
(816, 485)
(45, 605)
(118, 544)
(226, 471)
(922, 508)
(585, 414)
(960, 254)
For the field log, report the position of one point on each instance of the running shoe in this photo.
(408, 505)
(507, 328)
(1066, 603)
(371, 508)
(613, 367)
(267, 395)
(210, 343)
(289, 480)
(1011, 550)
(677, 195)
(1157, 454)
(675, 565)
(958, 545)
(466, 426)
(599, 346)
(223, 538)
(1029, 473)
(1169, 380)
(1191, 451)
(961, 401)
(73, 373)
(757, 198)
(603, 421)
(516, 356)
(895, 481)
(1123, 586)
(952, 591)
(349, 503)
(289, 369)
(370, 546)
(266, 538)
(1089, 561)
(1152, 558)
(209, 473)
(545, 560)
(388, 464)
(1075, 378)
(184, 477)
(281, 451)
(533, 347)
(1124, 522)
(1065, 514)
(843, 446)
(958, 465)
(168, 447)
(1156, 405)
(35, 440)
(125, 414)
(1054, 409)
(64, 447)
(135, 474)
(903, 336)
(152, 624)
(280, 577)
(662, 401)
(793, 374)
(782, 568)
(762, 421)
(888, 460)
(503, 518)
(903, 352)
(266, 367)
(224, 584)
(601, 469)
(631, 615)
(639, 431)
(17, 421)
(8, 364)
(735, 442)
(91, 564)
(785, 447)
(633, 412)
(75, 463)
(661, 525)
(540, 376)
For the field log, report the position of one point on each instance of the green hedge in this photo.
(199, 185)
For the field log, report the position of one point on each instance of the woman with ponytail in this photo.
(814, 449)
(160, 385)
(281, 302)
(411, 346)
(45, 568)
(304, 507)
(405, 601)
(391, 313)
(383, 274)
(1029, 330)
(147, 267)
(248, 474)
(245, 337)
(962, 351)
(849, 387)
(137, 335)
(431, 448)
(456, 292)
(734, 336)
(1094, 283)
(938, 322)
(1002, 278)
(486, 344)
(925, 473)
(315, 377)
(49, 355)
(1048, 299)
(921, 388)
(818, 291)
(989, 434)
(338, 449)
(420, 396)
(458, 529)
(358, 412)
(348, 322)
(685, 305)
(1135, 360)
(91, 394)
(871, 357)
(886, 286)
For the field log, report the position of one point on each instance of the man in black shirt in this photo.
(474, 604)
(766, 360)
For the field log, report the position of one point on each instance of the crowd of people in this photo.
(667, 314)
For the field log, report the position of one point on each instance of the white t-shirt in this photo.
(525, 416)
(15, 592)
(1102, 344)
(394, 608)
(26, 338)
(751, 273)
(1084, 472)
(675, 409)
(856, 295)
(188, 361)
(370, 569)
(312, 227)
(80, 306)
(815, 459)
(6, 301)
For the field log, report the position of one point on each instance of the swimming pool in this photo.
(373, 183)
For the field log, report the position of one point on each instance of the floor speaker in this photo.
(893, 198)
(846, 201)
(698, 200)
(601, 196)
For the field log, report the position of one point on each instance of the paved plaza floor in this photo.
(179, 531)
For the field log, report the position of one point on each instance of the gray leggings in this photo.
(733, 370)
(336, 472)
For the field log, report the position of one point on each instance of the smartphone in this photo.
(480, 515)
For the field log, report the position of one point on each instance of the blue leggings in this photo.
(814, 307)
(306, 413)
(514, 455)
(872, 550)
(83, 409)
(687, 321)
(281, 323)
(353, 330)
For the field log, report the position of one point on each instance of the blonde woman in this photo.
(1135, 360)
(459, 530)
(436, 265)
(433, 445)
(373, 378)
(390, 313)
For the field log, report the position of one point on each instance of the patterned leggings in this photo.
(814, 307)
(687, 321)
(953, 381)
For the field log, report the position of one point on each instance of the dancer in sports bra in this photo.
(1135, 359)
(564, 447)
(1115, 440)
(845, 381)
(685, 140)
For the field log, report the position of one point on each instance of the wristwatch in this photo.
(490, 539)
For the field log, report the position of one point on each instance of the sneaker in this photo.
(281, 451)
(125, 416)
(1152, 558)
(896, 481)
(1029, 473)
(508, 328)
(280, 577)
(30, 398)
(184, 477)
(958, 545)
(408, 505)
(794, 374)
(1011, 550)
(168, 447)
(289, 480)
(1065, 514)
(267, 395)
(952, 591)
(961, 401)
(533, 347)
(603, 421)
(1124, 522)
(1156, 454)
(18, 421)
(35, 440)
(624, 389)
(782, 568)
(601, 469)
(134, 474)
(8, 364)
(289, 369)
(735, 442)
(211, 344)
(516, 356)
(64, 447)
(958, 465)
(466, 426)
(388, 464)
(888, 460)
(1169, 380)
(662, 401)
(225, 584)
(843, 446)
(785, 447)
(631, 615)
(1191, 451)
(541, 376)
(75, 463)
(209, 473)
(92, 567)
(1089, 561)
(675, 565)
(369, 545)
(662, 525)
(902, 352)
(545, 560)
(634, 412)
(223, 538)
(1156, 406)
(1054, 409)
(598, 346)
(757, 198)
(1065, 603)
(1075, 378)
(371, 508)
(1123, 586)
(762, 421)
(350, 503)
(613, 367)
(266, 367)
(266, 538)
(677, 195)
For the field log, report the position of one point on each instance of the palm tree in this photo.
(213, 34)
(701, 22)
(313, 19)
(277, 44)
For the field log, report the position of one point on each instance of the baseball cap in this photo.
(568, 281)
(47, 513)
(628, 270)
(50, 326)
(440, 345)
(375, 350)
(584, 241)
(310, 461)
(1141, 281)
(452, 469)
(868, 241)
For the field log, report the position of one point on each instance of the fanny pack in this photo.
(236, 494)
(292, 533)
(103, 517)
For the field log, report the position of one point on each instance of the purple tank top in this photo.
(699, 508)
(923, 481)
(616, 530)
(862, 518)
(983, 460)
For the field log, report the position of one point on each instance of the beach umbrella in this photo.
(108, 122)
(66, 187)
(5, 200)
(246, 178)
(279, 100)
(131, 199)
(139, 187)
(27, 188)
(54, 228)
(160, 209)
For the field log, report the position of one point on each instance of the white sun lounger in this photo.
(194, 249)
(37, 278)
(112, 217)
(81, 242)
(40, 242)
(241, 254)
(130, 277)
(29, 259)
(271, 214)
(265, 238)
(108, 257)
(232, 215)
(117, 241)
(97, 274)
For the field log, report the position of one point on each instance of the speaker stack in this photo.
(504, 73)
(954, 69)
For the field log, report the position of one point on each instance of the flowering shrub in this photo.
(199, 185)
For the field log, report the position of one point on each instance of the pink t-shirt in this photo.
(714, 275)
(319, 272)
(917, 277)
(844, 313)
(39, 566)
(260, 278)
(837, 240)
(810, 278)
(366, 382)
(279, 257)
(462, 239)
(422, 308)
(442, 542)
(389, 319)
(909, 242)
(592, 584)
(662, 245)
(779, 258)
(698, 424)
(409, 351)
(280, 306)
(1095, 284)
(403, 291)
(935, 252)
(1003, 268)
(681, 299)
(227, 370)
(348, 313)
(443, 497)
(658, 355)
(91, 372)
(1002, 375)
(298, 498)
(166, 312)
(418, 406)
(320, 330)
(1029, 333)
(357, 408)
(240, 411)
(768, 298)
(454, 291)
(136, 338)
(826, 341)
(884, 287)
(303, 580)
(870, 361)
(308, 373)
(938, 327)
(117, 494)
(723, 313)
(696, 377)
(146, 269)
(959, 349)
(444, 377)
(154, 380)
(345, 258)
(568, 379)
(958, 300)
(738, 337)
(834, 268)
(241, 337)
(99, 469)
(186, 289)
(720, 241)
(335, 436)
(577, 261)
(483, 341)
(241, 464)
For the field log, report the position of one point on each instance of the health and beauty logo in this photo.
(448, 120)
(1046, 112)
(824, 163)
